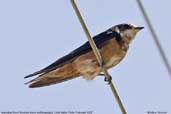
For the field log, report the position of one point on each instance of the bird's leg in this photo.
(109, 80)
(101, 74)
(106, 79)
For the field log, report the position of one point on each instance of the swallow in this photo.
(113, 45)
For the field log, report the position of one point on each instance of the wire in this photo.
(98, 56)
(155, 37)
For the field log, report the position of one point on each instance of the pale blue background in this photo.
(34, 33)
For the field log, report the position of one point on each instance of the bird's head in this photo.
(127, 31)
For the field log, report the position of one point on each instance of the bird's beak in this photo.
(139, 28)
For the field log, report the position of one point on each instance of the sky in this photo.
(35, 33)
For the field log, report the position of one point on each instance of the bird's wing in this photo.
(46, 81)
(99, 41)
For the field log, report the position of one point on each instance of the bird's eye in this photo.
(127, 26)
(124, 27)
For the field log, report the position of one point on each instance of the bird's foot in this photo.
(108, 79)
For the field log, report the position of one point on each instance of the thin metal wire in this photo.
(98, 56)
(155, 38)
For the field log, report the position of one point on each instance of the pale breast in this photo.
(114, 60)
(113, 52)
